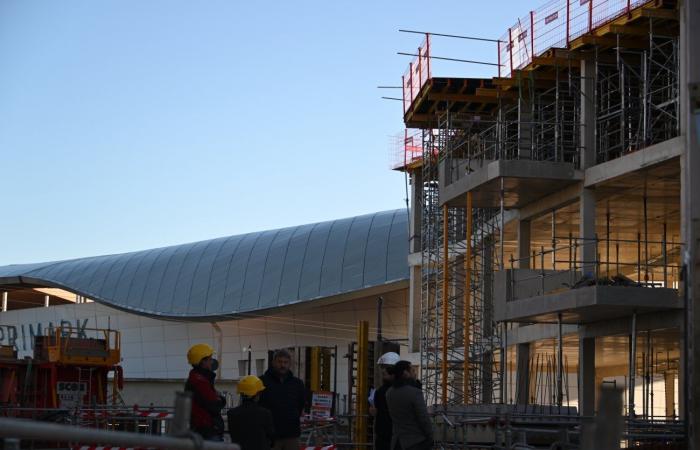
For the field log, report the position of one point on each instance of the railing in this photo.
(407, 148)
(180, 437)
(563, 267)
(554, 25)
(417, 73)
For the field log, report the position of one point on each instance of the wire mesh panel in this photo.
(554, 25)
(417, 73)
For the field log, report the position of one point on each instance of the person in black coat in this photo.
(250, 425)
(413, 429)
(285, 397)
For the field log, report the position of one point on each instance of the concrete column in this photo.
(690, 211)
(588, 114)
(47, 301)
(416, 211)
(587, 248)
(522, 374)
(587, 379)
(4, 301)
(587, 253)
(524, 244)
(669, 391)
(414, 308)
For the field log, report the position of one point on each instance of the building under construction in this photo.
(554, 225)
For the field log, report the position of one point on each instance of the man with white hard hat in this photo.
(379, 408)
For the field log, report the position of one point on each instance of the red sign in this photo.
(551, 18)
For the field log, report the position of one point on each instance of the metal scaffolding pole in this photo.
(467, 299)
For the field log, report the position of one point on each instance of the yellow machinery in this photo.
(70, 346)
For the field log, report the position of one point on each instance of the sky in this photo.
(127, 125)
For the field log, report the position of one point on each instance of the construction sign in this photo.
(321, 404)
(70, 393)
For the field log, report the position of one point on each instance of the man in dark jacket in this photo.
(413, 429)
(207, 404)
(249, 424)
(379, 408)
(285, 397)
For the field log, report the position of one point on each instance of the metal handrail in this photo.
(30, 429)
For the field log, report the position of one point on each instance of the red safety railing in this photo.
(407, 148)
(417, 73)
(554, 25)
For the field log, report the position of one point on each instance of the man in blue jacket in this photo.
(285, 397)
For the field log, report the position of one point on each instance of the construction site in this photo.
(544, 280)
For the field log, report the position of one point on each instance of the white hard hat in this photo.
(389, 359)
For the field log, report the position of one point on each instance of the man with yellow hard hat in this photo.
(249, 424)
(207, 403)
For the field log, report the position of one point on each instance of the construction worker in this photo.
(412, 428)
(379, 408)
(249, 424)
(207, 403)
(285, 397)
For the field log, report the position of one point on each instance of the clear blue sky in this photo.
(127, 125)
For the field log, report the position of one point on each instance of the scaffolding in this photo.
(620, 59)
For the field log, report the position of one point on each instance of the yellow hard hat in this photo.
(250, 385)
(198, 352)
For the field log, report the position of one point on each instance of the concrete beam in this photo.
(590, 304)
(537, 332)
(632, 162)
(652, 321)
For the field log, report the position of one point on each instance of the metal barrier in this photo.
(417, 73)
(407, 149)
(554, 25)
(112, 426)
(562, 266)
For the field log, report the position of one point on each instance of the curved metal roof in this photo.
(238, 274)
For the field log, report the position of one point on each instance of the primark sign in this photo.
(22, 336)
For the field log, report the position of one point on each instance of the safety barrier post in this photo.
(567, 21)
(590, 15)
(498, 45)
(403, 93)
(532, 34)
(427, 53)
(410, 78)
(420, 72)
(510, 48)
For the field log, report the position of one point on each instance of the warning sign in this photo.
(70, 394)
(321, 404)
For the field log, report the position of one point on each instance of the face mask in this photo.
(214, 365)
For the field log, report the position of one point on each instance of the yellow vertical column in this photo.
(362, 387)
